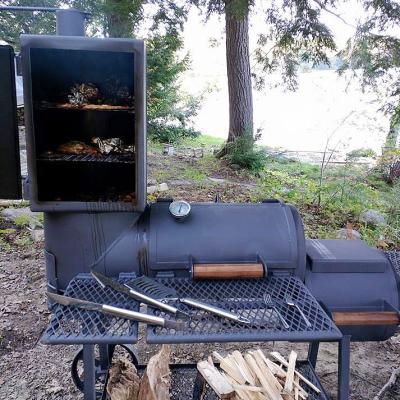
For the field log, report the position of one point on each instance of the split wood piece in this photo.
(296, 387)
(281, 373)
(245, 394)
(275, 369)
(244, 368)
(272, 390)
(156, 380)
(218, 383)
(230, 367)
(279, 357)
(123, 382)
(290, 372)
(267, 372)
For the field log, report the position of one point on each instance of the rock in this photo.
(181, 182)
(235, 167)
(37, 235)
(162, 187)
(261, 175)
(151, 182)
(217, 180)
(345, 234)
(372, 217)
(33, 219)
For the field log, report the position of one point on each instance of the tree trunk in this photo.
(119, 24)
(392, 137)
(238, 69)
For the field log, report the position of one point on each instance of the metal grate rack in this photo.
(109, 158)
(394, 257)
(245, 298)
(70, 325)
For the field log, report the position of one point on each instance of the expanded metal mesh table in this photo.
(245, 298)
(71, 325)
(394, 257)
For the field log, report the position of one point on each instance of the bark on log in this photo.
(123, 382)
(238, 69)
(156, 380)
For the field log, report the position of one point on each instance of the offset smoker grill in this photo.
(89, 226)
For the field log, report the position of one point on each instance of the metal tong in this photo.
(105, 281)
(123, 288)
(116, 311)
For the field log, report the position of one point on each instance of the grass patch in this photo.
(337, 199)
(194, 174)
(202, 141)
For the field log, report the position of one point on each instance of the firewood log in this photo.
(123, 381)
(156, 380)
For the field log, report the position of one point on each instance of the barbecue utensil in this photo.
(270, 303)
(152, 288)
(123, 288)
(214, 310)
(291, 303)
(116, 311)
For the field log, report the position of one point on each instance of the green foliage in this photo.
(12, 24)
(361, 152)
(345, 191)
(169, 109)
(243, 152)
(22, 221)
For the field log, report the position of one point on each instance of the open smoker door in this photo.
(10, 170)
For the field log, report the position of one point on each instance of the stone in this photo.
(13, 214)
(217, 180)
(235, 167)
(37, 235)
(261, 175)
(372, 217)
(162, 187)
(345, 234)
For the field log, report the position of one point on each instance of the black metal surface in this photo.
(109, 158)
(108, 64)
(245, 298)
(70, 325)
(10, 170)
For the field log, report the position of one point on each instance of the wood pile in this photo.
(253, 376)
(125, 384)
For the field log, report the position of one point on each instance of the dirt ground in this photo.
(30, 370)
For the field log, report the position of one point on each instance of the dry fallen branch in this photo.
(389, 384)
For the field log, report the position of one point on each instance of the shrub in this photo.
(246, 154)
(169, 133)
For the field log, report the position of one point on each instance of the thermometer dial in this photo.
(179, 209)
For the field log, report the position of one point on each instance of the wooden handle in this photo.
(366, 318)
(227, 271)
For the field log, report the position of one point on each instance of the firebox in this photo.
(85, 123)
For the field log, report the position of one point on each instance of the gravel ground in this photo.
(30, 370)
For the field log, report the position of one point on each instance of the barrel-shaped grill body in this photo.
(349, 276)
(154, 243)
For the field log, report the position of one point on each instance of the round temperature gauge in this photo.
(179, 209)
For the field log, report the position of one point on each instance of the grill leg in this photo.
(344, 368)
(89, 388)
(313, 353)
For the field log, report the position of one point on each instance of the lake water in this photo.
(323, 106)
